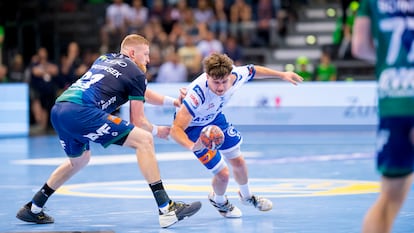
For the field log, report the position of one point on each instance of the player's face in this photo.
(219, 86)
(140, 56)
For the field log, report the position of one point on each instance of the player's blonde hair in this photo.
(217, 65)
(133, 40)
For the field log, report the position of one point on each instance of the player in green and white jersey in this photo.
(384, 34)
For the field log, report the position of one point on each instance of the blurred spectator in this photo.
(190, 25)
(137, 17)
(1, 43)
(209, 44)
(241, 22)
(191, 57)
(70, 69)
(287, 15)
(172, 70)
(115, 26)
(88, 58)
(265, 16)
(303, 68)
(220, 23)
(344, 51)
(341, 37)
(43, 89)
(233, 50)
(203, 13)
(325, 70)
(155, 33)
(157, 9)
(156, 60)
(17, 69)
(3, 74)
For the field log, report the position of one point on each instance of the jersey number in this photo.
(397, 26)
(88, 79)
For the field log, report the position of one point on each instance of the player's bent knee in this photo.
(81, 161)
(223, 175)
(138, 138)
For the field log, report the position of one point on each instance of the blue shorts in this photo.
(213, 160)
(395, 155)
(77, 125)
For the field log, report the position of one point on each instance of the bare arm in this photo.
(264, 72)
(362, 42)
(137, 116)
(154, 98)
(181, 122)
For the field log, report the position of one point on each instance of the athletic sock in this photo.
(40, 198)
(245, 190)
(220, 199)
(160, 195)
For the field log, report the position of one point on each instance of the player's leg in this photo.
(231, 151)
(170, 211)
(395, 161)
(78, 157)
(380, 217)
(214, 162)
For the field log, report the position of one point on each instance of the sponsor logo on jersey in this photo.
(396, 82)
(197, 89)
(105, 105)
(194, 101)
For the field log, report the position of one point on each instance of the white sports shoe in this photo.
(260, 203)
(226, 209)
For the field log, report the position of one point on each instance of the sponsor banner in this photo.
(279, 103)
(14, 110)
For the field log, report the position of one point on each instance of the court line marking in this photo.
(197, 188)
(251, 157)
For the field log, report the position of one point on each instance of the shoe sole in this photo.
(30, 220)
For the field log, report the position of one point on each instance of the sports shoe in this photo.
(260, 203)
(25, 214)
(226, 209)
(178, 211)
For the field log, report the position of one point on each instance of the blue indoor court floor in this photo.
(319, 182)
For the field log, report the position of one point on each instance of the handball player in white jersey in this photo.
(202, 105)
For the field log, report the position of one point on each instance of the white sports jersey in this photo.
(203, 104)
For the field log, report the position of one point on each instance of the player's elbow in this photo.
(174, 131)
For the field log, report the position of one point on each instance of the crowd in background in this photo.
(181, 32)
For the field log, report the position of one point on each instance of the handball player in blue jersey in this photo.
(82, 114)
(383, 34)
(203, 104)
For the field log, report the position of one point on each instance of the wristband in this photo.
(154, 130)
(168, 101)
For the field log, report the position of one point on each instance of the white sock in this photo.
(245, 190)
(220, 199)
(35, 209)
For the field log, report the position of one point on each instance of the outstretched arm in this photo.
(154, 98)
(264, 72)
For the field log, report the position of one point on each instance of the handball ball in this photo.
(212, 137)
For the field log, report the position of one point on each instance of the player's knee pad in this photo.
(232, 152)
(211, 159)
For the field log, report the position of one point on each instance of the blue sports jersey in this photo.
(112, 80)
(204, 105)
